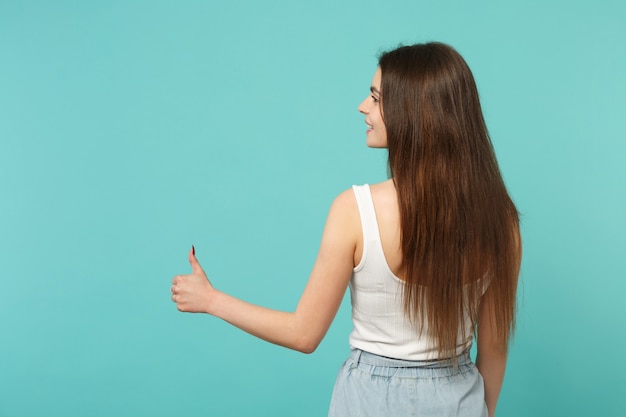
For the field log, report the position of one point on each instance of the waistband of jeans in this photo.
(367, 358)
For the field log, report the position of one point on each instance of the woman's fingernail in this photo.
(193, 250)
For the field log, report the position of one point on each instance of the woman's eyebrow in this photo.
(374, 90)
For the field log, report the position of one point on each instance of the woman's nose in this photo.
(363, 107)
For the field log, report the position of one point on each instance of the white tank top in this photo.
(380, 323)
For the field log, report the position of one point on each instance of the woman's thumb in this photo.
(193, 261)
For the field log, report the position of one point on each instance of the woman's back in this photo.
(381, 325)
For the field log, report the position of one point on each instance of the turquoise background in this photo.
(130, 130)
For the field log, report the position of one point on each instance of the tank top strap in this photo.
(367, 212)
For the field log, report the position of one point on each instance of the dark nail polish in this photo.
(193, 250)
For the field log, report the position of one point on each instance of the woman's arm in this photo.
(492, 350)
(490, 359)
(305, 328)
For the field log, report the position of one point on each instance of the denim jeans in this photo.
(369, 385)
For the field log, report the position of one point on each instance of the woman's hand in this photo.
(192, 292)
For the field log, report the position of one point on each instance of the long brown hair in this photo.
(459, 227)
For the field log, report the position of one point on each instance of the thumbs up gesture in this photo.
(192, 292)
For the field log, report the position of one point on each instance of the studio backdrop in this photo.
(130, 130)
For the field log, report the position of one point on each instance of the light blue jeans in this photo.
(369, 385)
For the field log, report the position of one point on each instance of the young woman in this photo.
(431, 256)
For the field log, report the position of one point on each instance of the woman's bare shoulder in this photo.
(344, 206)
(345, 199)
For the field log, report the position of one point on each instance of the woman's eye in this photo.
(374, 99)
